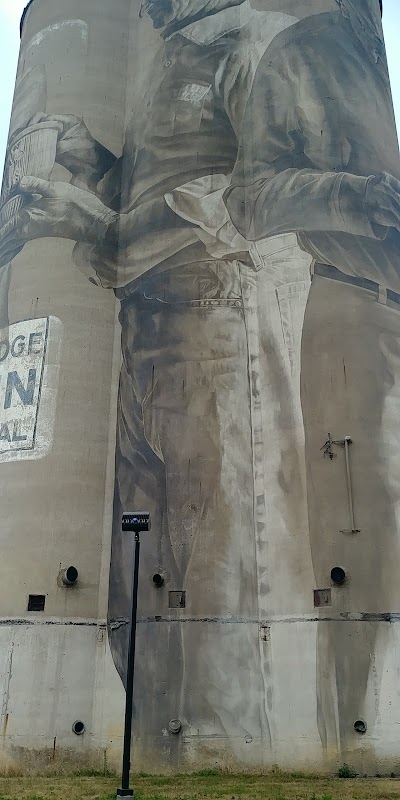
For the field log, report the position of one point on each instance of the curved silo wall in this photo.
(58, 357)
(223, 178)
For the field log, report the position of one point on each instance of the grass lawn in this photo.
(201, 786)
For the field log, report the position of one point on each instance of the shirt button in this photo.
(168, 63)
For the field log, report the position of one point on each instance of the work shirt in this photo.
(322, 126)
(186, 128)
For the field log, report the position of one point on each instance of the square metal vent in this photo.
(322, 597)
(36, 602)
(177, 599)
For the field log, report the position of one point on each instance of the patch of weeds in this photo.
(206, 773)
(108, 796)
(346, 772)
(35, 797)
(94, 773)
(323, 797)
(276, 771)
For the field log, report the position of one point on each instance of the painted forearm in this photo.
(111, 266)
(148, 218)
(300, 200)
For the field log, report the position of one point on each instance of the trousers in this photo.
(185, 453)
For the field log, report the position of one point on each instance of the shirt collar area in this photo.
(214, 26)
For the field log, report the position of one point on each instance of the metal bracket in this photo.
(327, 448)
(265, 632)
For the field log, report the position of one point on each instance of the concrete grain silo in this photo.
(200, 317)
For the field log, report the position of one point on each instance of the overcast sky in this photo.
(10, 14)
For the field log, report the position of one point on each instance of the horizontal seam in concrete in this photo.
(79, 623)
(392, 616)
(344, 617)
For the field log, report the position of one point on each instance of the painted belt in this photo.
(334, 274)
(140, 301)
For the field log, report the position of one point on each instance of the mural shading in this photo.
(249, 229)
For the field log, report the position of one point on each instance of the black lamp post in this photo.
(132, 522)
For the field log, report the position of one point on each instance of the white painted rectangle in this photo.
(24, 388)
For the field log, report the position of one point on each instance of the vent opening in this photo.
(360, 726)
(70, 576)
(36, 602)
(78, 727)
(338, 576)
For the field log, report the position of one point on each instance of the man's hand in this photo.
(383, 201)
(58, 210)
(77, 150)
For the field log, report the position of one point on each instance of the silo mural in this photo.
(237, 204)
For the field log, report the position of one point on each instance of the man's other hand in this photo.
(77, 150)
(383, 201)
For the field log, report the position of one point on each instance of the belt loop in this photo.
(382, 294)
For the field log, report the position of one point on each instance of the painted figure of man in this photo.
(185, 429)
(323, 161)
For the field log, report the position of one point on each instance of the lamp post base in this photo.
(125, 793)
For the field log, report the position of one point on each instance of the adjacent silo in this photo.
(58, 360)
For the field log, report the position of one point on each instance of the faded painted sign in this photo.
(23, 378)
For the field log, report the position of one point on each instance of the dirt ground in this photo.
(202, 786)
